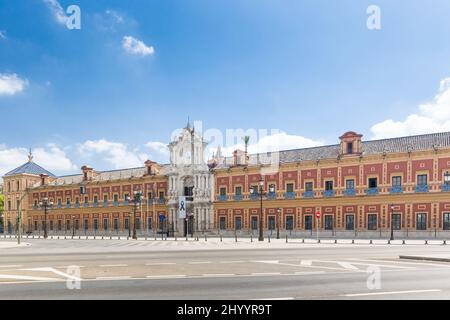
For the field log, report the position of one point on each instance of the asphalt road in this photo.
(136, 270)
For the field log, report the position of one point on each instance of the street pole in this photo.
(392, 223)
(73, 226)
(317, 225)
(134, 218)
(278, 223)
(261, 236)
(45, 219)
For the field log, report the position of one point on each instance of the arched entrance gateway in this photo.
(190, 184)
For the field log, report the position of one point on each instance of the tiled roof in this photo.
(392, 145)
(29, 168)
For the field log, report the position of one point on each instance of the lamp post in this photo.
(261, 191)
(278, 222)
(73, 226)
(45, 204)
(392, 222)
(136, 202)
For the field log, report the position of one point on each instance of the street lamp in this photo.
(136, 202)
(73, 226)
(278, 223)
(45, 204)
(392, 222)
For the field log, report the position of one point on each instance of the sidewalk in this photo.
(442, 257)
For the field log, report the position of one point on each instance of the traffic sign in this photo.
(162, 217)
(318, 214)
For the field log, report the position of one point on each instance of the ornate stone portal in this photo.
(189, 175)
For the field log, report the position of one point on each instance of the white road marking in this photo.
(20, 277)
(237, 261)
(388, 292)
(219, 275)
(113, 265)
(265, 273)
(404, 262)
(50, 269)
(199, 262)
(284, 298)
(113, 278)
(366, 264)
(11, 266)
(298, 265)
(309, 272)
(160, 263)
(347, 265)
(306, 262)
(167, 276)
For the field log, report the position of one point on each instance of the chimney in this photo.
(87, 173)
(152, 167)
(44, 179)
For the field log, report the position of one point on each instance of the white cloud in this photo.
(137, 47)
(115, 15)
(51, 157)
(159, 148)
(431, 117)
(2, 34)
(271, 143)
(115, 153)
(10, 84)
(57, 11)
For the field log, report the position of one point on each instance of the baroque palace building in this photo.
(400, 184)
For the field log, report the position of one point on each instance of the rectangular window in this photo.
(373, 182)
(446, 221)
(127, 223)
(76, 200)
(222, 223)
(59, 225)
(238, 191)
(290, 187)
(350, 184)
(272, 188)
(223, 191)
(308, 186)
(51, 225)
(161, 195)
(421, 221)
(67, 224)
(116, 224)
(86, 199)
(105, 198)
(372, 222)
(95, 224)
(397, 181)
(59, 202)
(289, 222)
(349, 147)
(126, 196)
(396, 221)
(138, 223)
(422, 179)
(149, 195)
(254, 223)
(328, 185)
(116, 198)
(328, 222)
(86, 224)
(308, 223)
(95, 199)
(105, 224)
(349, 222)
(35, 226)
(237, 223)
(271, 222)
(68, 201)
(77, 224)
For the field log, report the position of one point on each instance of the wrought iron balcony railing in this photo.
(222, 198)
(421, 188)
(328, 193)
(396, 189)
(372, 191)
(350, 192)
(289, 195)
(308, 194)
(237, 197)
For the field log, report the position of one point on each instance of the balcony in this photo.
(76, 205)
(372, 191)
(308, 194)
(95, 204)
(350, 192)
(396, 189)
(445, 187)
(421, 188)
(59, 205)
(237, 197)
(85, 205)
(222, 198)
(271, 196)
(67, 205)
(328, 193)
(161, 201)
(115, 203)
(254, 196)
(289, 195)
(105, 204)
(125, 202)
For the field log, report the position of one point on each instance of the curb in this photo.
(425, 258)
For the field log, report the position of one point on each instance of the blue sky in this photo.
(310, 68)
